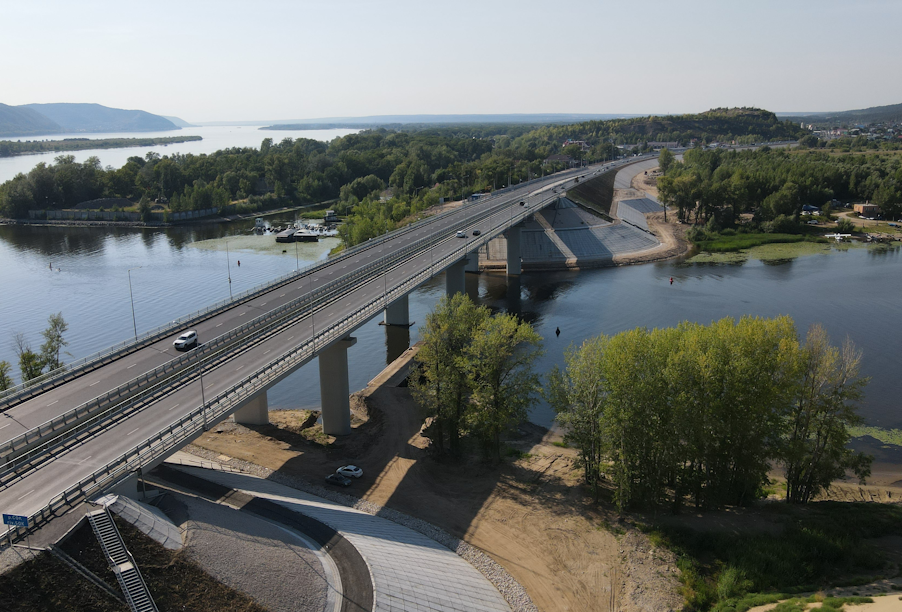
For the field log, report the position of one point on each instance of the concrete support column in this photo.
(334, 389)
(455, 279)
(472, 262)
(398, 313)
(255, 412)
(513, 250)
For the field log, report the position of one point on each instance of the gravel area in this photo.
(512, 591)
(275, 567)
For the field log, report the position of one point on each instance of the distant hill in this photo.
(744, 125)
(179, 122)
(875, 114)
(97, 118)
(21, 121)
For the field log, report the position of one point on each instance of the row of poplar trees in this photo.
(702, 413)
(475, 373)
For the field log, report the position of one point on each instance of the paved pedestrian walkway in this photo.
(410, 572)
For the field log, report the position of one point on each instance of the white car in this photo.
(461, 234)
(186, 341)
(350, 471)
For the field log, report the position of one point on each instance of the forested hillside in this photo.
(22, 121)
(875, 114)
(98, 118)
(419, 168)
(720, 185)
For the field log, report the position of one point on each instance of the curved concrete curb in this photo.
(356, 581)
(511, 590)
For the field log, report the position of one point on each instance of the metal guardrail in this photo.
(61, 424)
(226, 402)
(75, 368)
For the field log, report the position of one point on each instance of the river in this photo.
(175, 271)
(214, 138)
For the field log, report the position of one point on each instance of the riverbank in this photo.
(12, 148)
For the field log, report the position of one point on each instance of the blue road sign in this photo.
(15, 520)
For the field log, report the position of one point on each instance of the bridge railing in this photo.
(62, 424)
(79, 366)
(185, 428)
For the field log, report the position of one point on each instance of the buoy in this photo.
(239, 263)
(671, 280)
(557, 332)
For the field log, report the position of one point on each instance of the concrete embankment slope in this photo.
(583, 229)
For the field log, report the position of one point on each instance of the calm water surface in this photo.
(214, 139)
(179, 270)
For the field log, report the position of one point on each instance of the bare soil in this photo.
(532, 515)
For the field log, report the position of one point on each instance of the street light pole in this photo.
(132, 298)
(229, 268)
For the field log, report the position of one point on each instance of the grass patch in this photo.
(887, 436)
(560, 444)
(820, 546)
(738, 242)
(516, 453)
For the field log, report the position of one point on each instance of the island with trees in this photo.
(10, 148)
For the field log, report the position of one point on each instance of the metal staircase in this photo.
(122, 563)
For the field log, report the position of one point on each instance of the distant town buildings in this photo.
(580, 143)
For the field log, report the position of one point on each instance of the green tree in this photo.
(819, 422)
(442, 387)
(577, 395)
(30, 363)
(53, 341)
(666, 159)
(6, 380)
(500, 372)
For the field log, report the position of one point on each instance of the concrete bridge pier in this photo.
(513, 250)
(255, 412)
(334, 388)
(455, 278)
(472, 262)
(398, 313)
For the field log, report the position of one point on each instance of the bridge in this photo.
(99, 423)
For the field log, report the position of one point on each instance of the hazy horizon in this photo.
(298, 61)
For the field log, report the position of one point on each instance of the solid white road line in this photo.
(27, 494)
(174, 407)
(94, 383)
(133, 431)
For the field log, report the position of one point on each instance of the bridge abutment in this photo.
(334, 387)
(513, 250)
(255, 412)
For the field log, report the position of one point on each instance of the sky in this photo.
(275, 60)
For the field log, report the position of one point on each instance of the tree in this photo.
(666, 159)
(53, 341)
(441, 388)
(820, 418)
(6, 380)
(30, 364)
(500, 373)
(577, 395)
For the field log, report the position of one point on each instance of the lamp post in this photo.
(132, 298)
(229, 268)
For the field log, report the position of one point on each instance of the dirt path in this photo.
(531, 515)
